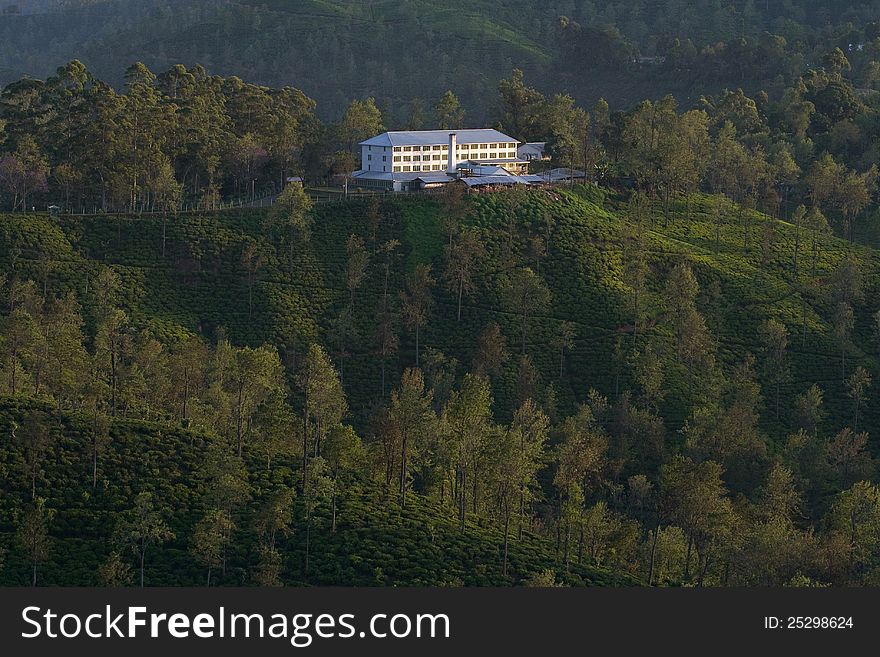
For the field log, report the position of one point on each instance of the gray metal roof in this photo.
(474, 181)
(437, 176)
(435, 137)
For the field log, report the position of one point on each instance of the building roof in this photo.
(434, 137)
(476, 181)
(435, 177)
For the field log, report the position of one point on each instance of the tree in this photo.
(323, 401)
(581, 458)
(33, 534)
(358, 260)
(844, 321)
(857, 384)
(36, 440)
(24, 172)
(21, 337)
(344, 453)
(257, 373)
(774, 336)
(698, 503)
(468, 418)
(491, 351)
(530, 426)
(416, 301)
(141, 527)
(849, 458)
(113, 344)
(274, 426)
(564, 341)
(114, 572)
(361, 121)
(808, 409)
(291, 213)
(519, 107)
(412, 416)
(855, 518)
(463, 255)
(275, 518)
(450, 115)
(209, 538)
(252, 261)
(817, 225)
(524, 293)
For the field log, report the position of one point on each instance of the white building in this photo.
(415, 159)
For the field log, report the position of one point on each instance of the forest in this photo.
(621, 51)
(663, 376)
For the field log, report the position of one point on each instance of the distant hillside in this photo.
(336, 50)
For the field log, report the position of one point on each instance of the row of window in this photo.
(461, 147)
(419, 167)
(482, 156)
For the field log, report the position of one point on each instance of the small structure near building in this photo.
(533, 151)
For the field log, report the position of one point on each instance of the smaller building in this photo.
(533, 151)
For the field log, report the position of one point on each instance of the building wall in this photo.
(434, 157)
(376, 158)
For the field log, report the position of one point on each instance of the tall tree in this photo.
(417, 300)
(463, 256)
(412, 415)
(448, 112)
(524, 293)
(141, 527)
(33, 534)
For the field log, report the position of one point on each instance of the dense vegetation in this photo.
(662, 376)
(667, 399)
(588, 48)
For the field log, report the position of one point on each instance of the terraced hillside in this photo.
(232, 274)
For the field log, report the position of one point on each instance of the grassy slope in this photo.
(199, 287)
(375, 544)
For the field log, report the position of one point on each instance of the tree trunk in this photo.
(506, 541)
(403, 470)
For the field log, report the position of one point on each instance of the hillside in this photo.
(200, 286)
(228, 275)
(329, 48)
(375, 543)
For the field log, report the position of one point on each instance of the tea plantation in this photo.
(191, 274)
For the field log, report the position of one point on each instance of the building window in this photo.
(397, 149)
(417, 158)
(463, 147)
(436, 167)
(436, 157)
(436, 148)
(369, 148)
(445, 147)
(407, 168)
(484, 156)
(484, 145)
(417, 167)
(384, 158)
(369, 157)
(407, 158)
(407, 148)
(493, 145)
(397, 168)
(397, 158)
